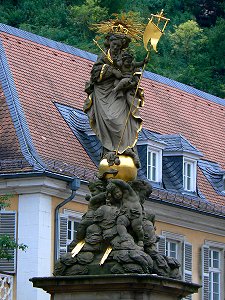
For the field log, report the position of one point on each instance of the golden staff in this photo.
(152, 33)
(107, 56)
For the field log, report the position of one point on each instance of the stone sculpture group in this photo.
(116, 220)
(116, 235)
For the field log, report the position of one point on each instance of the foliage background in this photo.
(6, 242)
(191, 51)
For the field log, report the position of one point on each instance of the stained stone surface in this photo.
(118, 234)
(114, 287)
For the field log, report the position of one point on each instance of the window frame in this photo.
(158, 164)
(212, 271)
(184, 254)
(72, 230)
(169, 251)
(179, 240)
(220, 248)
(193, 174)
(73, 216)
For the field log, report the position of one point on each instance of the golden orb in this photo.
(127, 170)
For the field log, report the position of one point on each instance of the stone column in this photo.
(34, 230)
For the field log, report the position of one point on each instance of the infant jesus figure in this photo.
(130, 70)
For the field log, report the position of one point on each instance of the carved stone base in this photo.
(114, 287)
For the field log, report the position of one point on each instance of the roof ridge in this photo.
(183, 138)
(47, 42)
(208, 161)
(182, 143)
(17, 114)
(90, 56)
(184, 87)
(170, 135)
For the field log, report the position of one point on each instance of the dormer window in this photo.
(189, 175)
(154, 164)
(150, 150)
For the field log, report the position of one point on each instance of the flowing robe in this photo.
(108, 111)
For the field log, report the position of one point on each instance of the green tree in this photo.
(113, 5)
(85, 15)
(216, 46)
(4, 201)
(215, 49)
(207, 12)
(6, 242)
(191, 53)
(186, 40)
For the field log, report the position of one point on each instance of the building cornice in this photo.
(41, 184)
(32, 185)
(186, 218)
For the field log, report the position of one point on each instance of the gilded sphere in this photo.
(127, 170)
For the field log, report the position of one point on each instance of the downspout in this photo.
(74, 186)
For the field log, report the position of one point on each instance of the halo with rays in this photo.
(122, 24)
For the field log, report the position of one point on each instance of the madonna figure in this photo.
(112, 107)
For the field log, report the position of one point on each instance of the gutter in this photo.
(74, 186)
(40, 174)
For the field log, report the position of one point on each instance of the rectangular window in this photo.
(174, 245)
(172, 248)
(189, 175)
(214, 274)
(153, 165)
(213, 270)
(68, 224)
(71, 230)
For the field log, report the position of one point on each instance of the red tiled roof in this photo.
(44, 75)
(11, 157)
(168, 110)
(206, 189)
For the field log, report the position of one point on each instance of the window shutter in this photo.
(162, 245)
(142, 153)
(63, 221)
(223, 276)
(8, 227)
(187, 263)
(205, 272)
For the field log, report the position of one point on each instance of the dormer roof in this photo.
(178, 144)
(214, 174)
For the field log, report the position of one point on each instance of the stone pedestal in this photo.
(114, 287)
